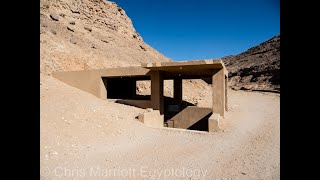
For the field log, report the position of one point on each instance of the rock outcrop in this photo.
(258, 68)
(89, 34)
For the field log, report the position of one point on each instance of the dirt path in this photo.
(84, 137)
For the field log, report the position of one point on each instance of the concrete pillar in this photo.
(177, 93)
(218, 92)
(157, 99)
(226, 92)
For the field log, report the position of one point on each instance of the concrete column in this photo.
(157, 99)
(177, 93)
(226, 92)
(218, 92)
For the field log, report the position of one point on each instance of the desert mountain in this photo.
(258, 68)
(89, 34)
(92, 34)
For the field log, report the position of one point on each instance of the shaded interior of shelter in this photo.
(124, 91)
(202, 124)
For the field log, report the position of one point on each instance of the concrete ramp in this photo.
(144, 104)
(189, 117)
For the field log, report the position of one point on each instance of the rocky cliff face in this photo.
(258, 68)
(89, 34)
(93, 34)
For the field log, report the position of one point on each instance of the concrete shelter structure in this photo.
(120, 83)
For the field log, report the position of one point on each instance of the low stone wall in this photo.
(151, 118)
(188, 117)
(144, 104)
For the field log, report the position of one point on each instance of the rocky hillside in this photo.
(93, 34)
(258, 68)
(85, 34)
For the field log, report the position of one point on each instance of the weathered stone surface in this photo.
(62, 14)
(54, 32)
(73, 41)
(70, 28)
(54, 17)
(104, 40)
(88, 28)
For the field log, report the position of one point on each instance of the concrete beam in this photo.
(134, 102)
(218, 62)
(218, 92)
(177, 90)
(123, 71)
(157, 99)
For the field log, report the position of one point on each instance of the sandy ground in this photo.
(83, 137)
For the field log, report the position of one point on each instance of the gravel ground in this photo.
(83, 137)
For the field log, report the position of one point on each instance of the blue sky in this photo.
(203, 29)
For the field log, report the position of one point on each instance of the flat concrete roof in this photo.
(182, 69)
(187, 69)
(214, 64)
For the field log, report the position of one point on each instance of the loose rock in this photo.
(88, 28)
(54, 17)
(70, 28)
